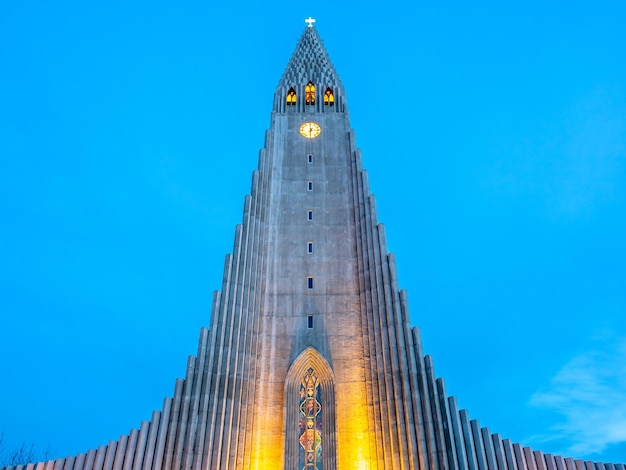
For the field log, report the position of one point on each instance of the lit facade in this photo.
(310, 362)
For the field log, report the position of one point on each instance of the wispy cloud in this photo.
(589, 392)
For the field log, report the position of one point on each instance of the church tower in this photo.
(310, 362)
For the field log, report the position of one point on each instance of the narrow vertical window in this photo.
(309, 93)
(309, 323)
(329, 97)
(310, 215)
(309, 282)
(310, 158)
(291, 97)
(310, 422)
(309, 186)
(309, 247)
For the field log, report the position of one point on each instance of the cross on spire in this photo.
(310, 21)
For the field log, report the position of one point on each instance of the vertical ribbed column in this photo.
(91, 457)
(458, 434)
(540, 460)
(507, 445)
(560, 462)
(238, 339)
(399, 382)
(162, 437)
(120, 452)
(252, 303)
(79, 464)
(140, 450)
(550, 462)
(99, 458)
(404, 342)
(490, 453)
(369, 328)
(109, 458)
(530, 459)
(519, 457)
(131, 447)
(469, 440)
(195, 394)
(422, 416)
(385, 374)
(151, 441)
(499, 450)
(479, 446)
(450, 442)
(372, 326)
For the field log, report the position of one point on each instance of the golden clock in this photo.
(310, 130)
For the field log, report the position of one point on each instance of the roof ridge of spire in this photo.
(310, 62)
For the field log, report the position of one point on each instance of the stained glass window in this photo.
(329, 97)
(309, 93)
(291, 97)
(310, 422)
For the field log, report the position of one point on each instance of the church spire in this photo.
(309, 82)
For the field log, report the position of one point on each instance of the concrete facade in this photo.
(311, 289)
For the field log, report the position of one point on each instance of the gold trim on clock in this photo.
(310, 130)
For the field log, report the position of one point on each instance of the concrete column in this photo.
(89, 461)
(120, 452)
(160, 443)
(173, 424)
(151, 441)
(507, 445)
(141, 445)
(530, 458)
(69, 463)
(519, 457)
(499, 451)
(99, 458)
(79, 464)
(479, 446)
(109, 458)
(560, 463)
(540, 460)
(447, 423)
(490, 453)
(458, 434)
(469, 440)
(550, 461)
(130, 450)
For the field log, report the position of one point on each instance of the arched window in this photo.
(310, 426)
(329, 97)
(309, 93)
(291, 97)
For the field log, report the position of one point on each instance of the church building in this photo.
(310, 361)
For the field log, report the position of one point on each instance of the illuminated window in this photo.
(291, 97)
(309, 247)
(310, 321)
(309, 282)
(310, 420)
(309, 93)
(309, 186)
(329, 97)
(309, 215)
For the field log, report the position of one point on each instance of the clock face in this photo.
(310, 130)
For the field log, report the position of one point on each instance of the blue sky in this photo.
(495, 138)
